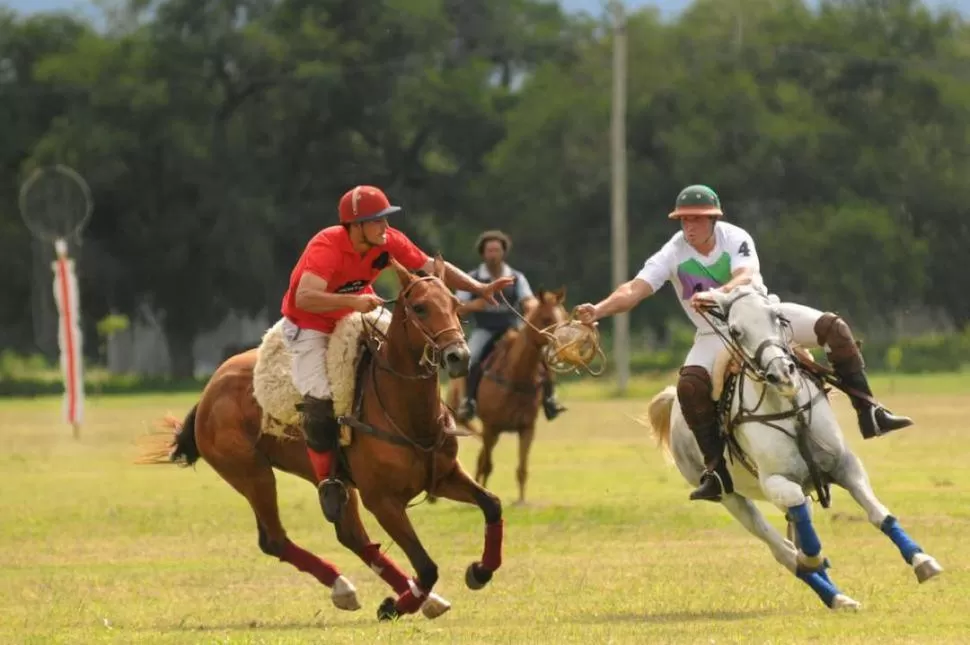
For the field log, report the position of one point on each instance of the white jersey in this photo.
(690, 272)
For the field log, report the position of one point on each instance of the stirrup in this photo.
(333, 498)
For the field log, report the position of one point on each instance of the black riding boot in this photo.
(322, 436)
(550, 405)
(467, 411)
(716, 480)
(843, 353)
(694, 390)
(874, 421)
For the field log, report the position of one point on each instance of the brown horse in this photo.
(401, 445)
(510, 393)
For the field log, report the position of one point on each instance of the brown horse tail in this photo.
(175, 444)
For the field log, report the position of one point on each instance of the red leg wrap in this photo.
(492, 557)
(309, 563)
(386, 568)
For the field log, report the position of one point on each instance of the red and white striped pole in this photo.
(69, 336)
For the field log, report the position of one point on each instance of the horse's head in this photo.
(550, 311)
(755, 327)
(429, 312)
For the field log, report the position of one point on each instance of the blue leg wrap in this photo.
(907, 547)
(811, 546)
(821, 585)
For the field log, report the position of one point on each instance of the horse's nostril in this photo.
(791, 368)
(772, 378)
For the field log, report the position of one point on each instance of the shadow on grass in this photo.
(676, 617)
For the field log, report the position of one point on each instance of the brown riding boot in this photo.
(694, 391)
(835, 337)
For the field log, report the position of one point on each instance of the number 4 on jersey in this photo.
(744, 249)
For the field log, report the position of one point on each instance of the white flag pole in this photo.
(69, 339)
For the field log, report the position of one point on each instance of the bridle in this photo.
(752, 368)
(749, 363)
(563, 357)
(431, 354)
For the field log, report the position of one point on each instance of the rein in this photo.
(563, 357)
(752, 369)
(375, 341)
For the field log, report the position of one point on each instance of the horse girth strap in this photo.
(383, 434)
(800, 436)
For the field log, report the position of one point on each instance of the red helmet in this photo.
(364, 203)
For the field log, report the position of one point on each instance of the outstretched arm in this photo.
(458, 280)
(624, 298)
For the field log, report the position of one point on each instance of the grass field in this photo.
(94, 549)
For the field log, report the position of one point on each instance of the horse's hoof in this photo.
(476, 576)
(841, 602)
(387, 610)
(344, 595)
(926, 567)
(435, 606)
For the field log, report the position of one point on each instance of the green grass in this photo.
(94, 549)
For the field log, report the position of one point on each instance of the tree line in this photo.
(216, 137)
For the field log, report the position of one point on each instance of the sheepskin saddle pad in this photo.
(272, 377)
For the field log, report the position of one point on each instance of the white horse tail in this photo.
(658, 412)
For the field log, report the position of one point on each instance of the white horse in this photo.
(752, 326)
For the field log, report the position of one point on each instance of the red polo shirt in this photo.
(331, 256)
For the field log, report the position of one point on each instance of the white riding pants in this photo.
(707, 344)
(308, 348)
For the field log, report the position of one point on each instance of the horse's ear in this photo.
(560, 295)
(439, 266)
(540, 295)
(402, 274)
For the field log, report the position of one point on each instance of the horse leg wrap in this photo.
(907, 547)
(807, 537)
(411, 600)
(306, 562)
(492, 556)
(821, 585)
(386, 568)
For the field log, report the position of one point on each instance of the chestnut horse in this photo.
(401, 445)
(510, 393)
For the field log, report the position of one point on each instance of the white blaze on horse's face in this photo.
(754, 323)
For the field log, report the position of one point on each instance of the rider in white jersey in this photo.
(712, 254)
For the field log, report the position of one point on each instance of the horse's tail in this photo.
(174, 444)
(659, 411)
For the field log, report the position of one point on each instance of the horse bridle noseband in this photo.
(432, 349)
(750, 363)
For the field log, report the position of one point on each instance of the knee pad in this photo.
(694, 391)
(834, 334)
(319, 424)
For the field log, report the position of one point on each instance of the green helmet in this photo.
(697, 199)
